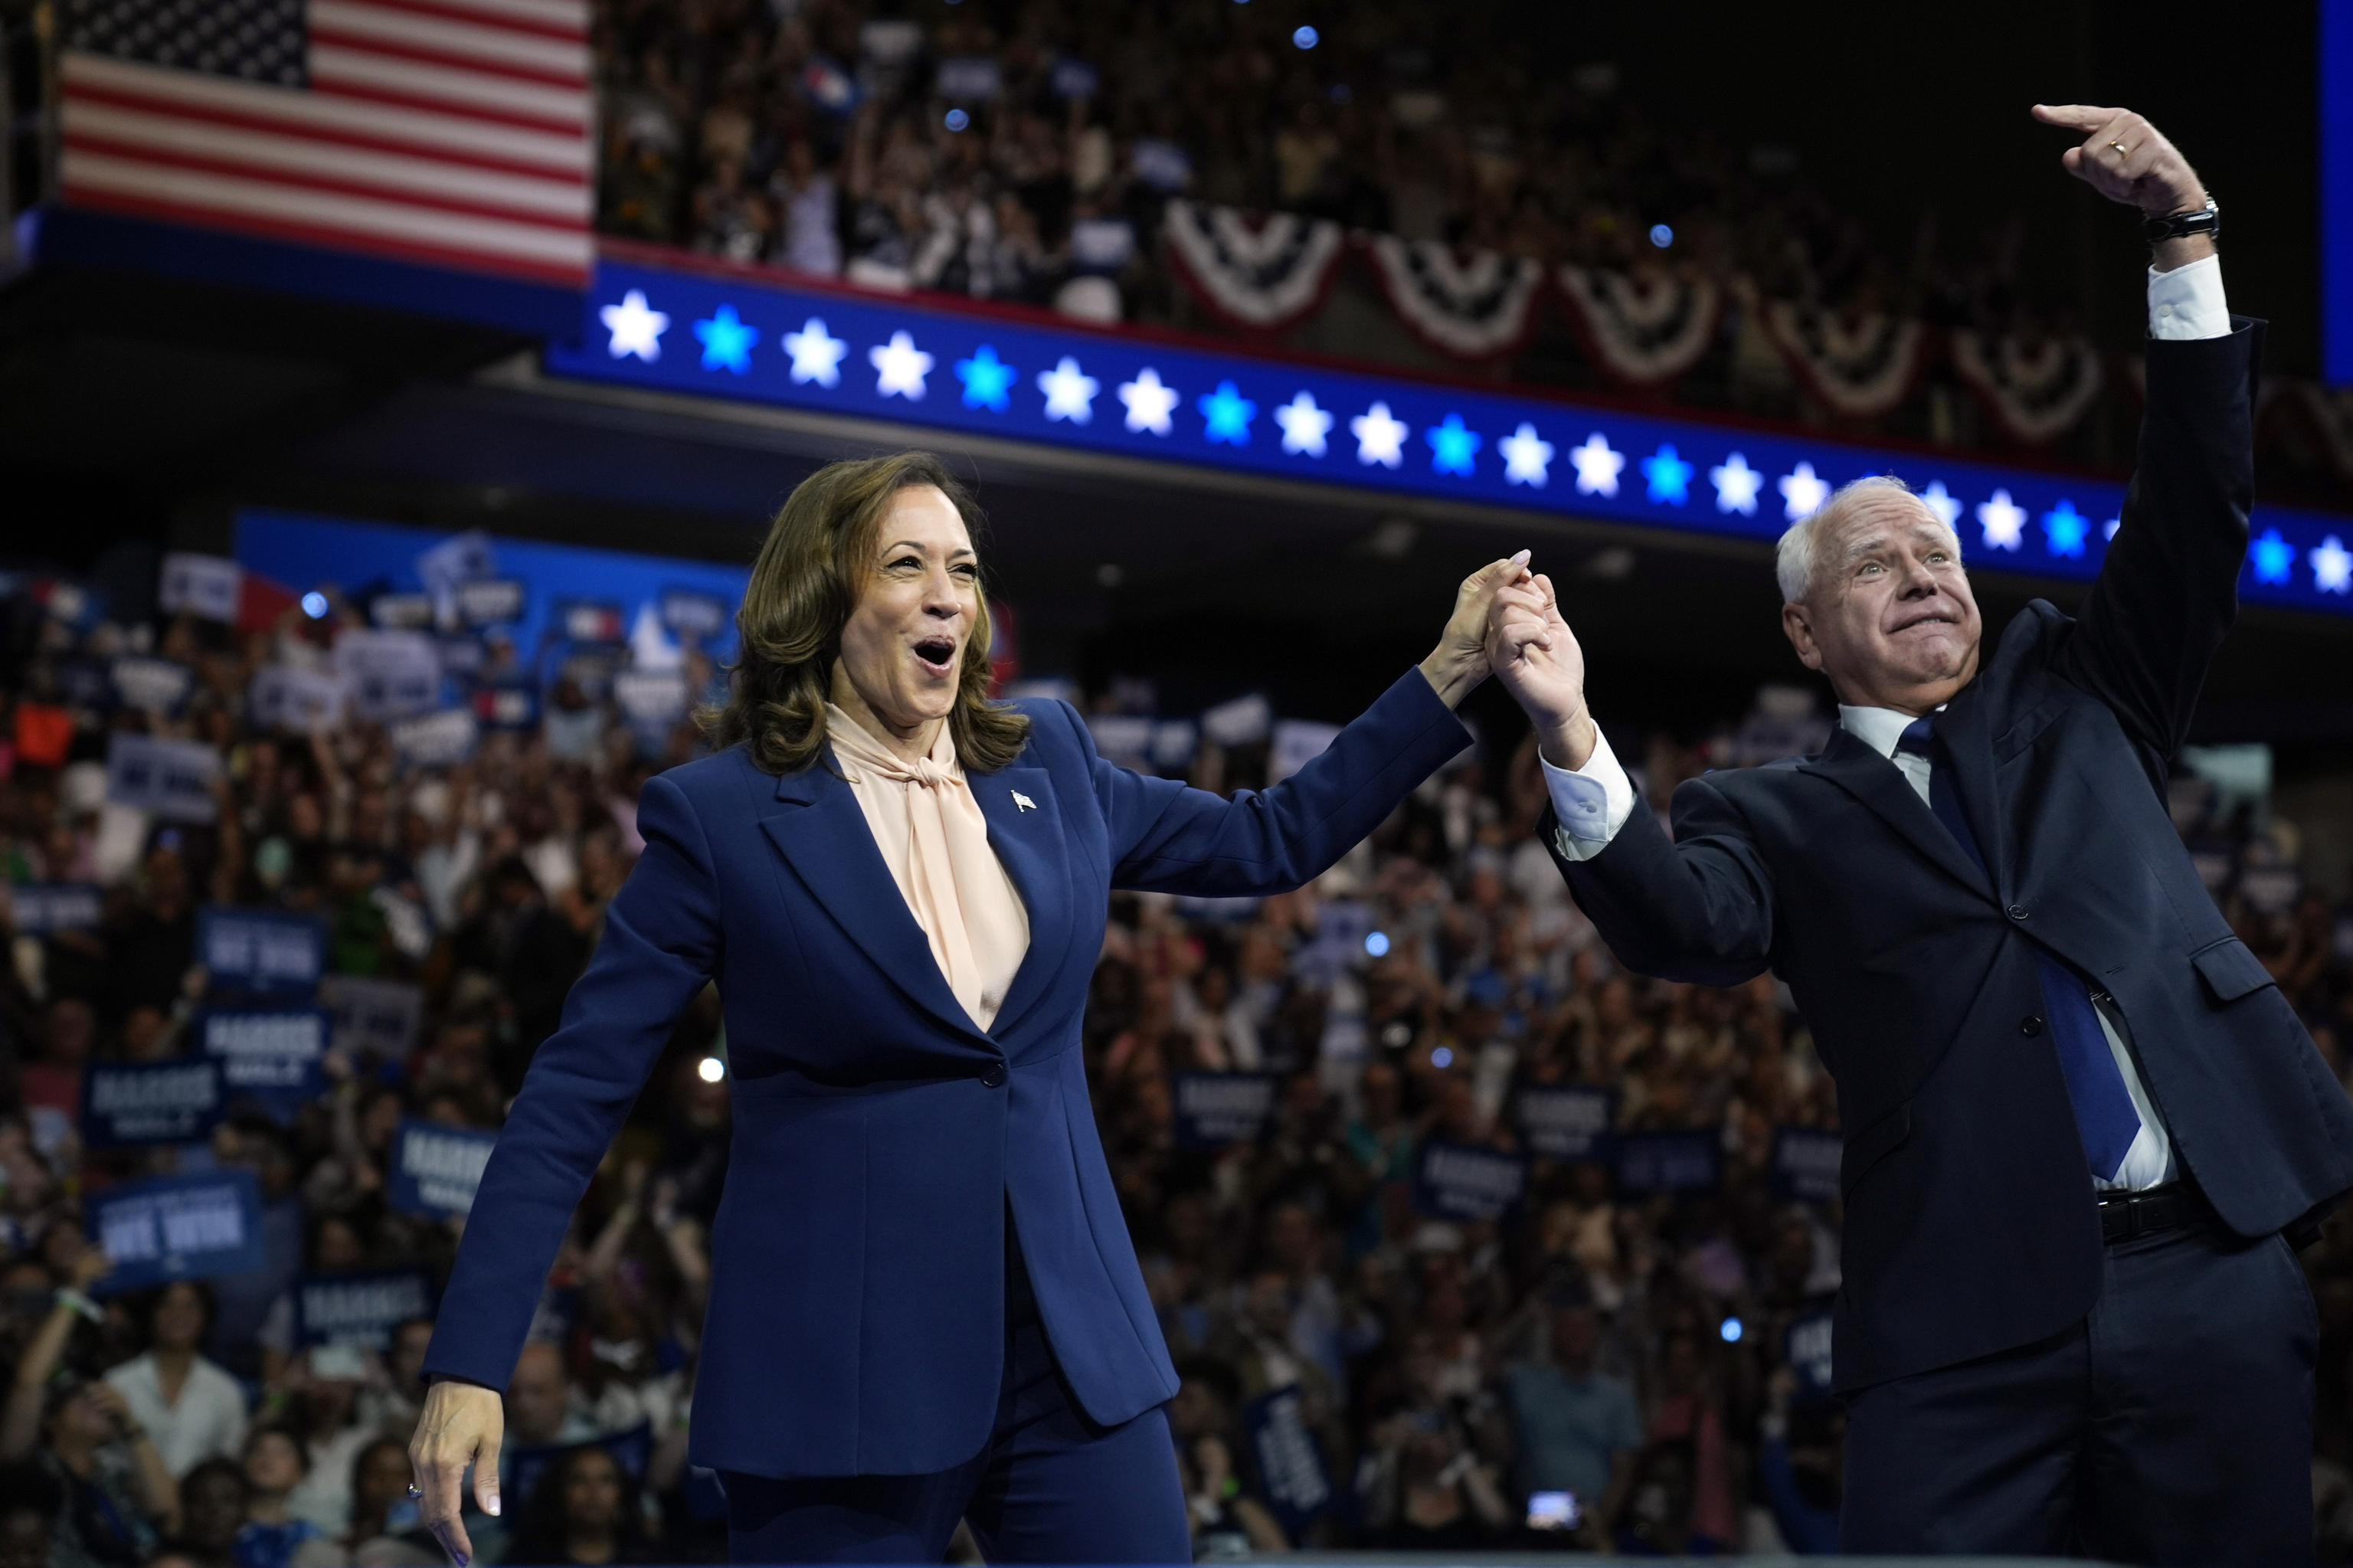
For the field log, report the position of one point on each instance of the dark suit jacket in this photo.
(1970, 1225)
(856, 1323)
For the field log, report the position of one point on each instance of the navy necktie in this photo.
(2103, 1107)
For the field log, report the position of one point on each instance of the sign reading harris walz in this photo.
(124, 1104)
(748, 338)
(436, 1169)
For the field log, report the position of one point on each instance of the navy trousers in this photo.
(1049, 1486)
(2172, 1425)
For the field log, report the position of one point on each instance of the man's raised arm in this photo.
(2168, 592)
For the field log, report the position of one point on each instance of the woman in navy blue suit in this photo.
(924, 1303)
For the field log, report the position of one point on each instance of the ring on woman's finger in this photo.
(415, 1492)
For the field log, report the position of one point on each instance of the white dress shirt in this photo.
(206, 1421)
(1594, 802)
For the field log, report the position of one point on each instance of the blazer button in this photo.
(995, 1077)
(2030, 1025)
(2017, 912)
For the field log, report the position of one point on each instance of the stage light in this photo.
(1662, 235)
(711, 1069)
(1305, 37)
(1442, 1057)
(958, 119)
(315, 605)
(1731, 1330)
(1376, 943)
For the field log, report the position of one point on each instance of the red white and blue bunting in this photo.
(2035, 391)
(1643, 331)
(1261, 275)
(1859, 367)
(1474, 307)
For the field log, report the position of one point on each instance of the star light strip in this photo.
(1009, 377)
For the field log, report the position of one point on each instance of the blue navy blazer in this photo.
(855, 1321)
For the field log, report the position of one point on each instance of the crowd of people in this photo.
(1635, 1370)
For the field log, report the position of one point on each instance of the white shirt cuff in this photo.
(2187, 302)
(1592, 803)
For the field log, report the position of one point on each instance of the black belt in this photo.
(2125, 1215)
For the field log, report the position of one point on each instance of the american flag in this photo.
(455, 133)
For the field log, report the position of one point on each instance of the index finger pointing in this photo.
(2074, 116)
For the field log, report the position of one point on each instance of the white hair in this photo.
(1798, 557)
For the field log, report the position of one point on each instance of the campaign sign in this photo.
(172, 779)
(1806, 1347)
(266, 950)
(491, 601)
(1214, 1108)
(275, 1057)
(177, 1227)
(1465, 1181)
(693, 616)
(1297, 743)
(389, 674)
(401, 612)
(1669, 1162)
(1806, 1162)
(458, 559)
(1291, 1465)
(127, 1103)
(151, 685)
(372, 1017)
(652, 698)
(208, 585)
(45, 908)
(591, 621)
(286, 697)
(436, 1169)
(507, 706)
(360, 1308)
(436, 740)
(1562, 1122)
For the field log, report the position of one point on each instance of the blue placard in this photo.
(1806, 1162)
(1669, 1162)
(1566, 1122)
(1806, 1347)
(274, 1055)
(361, 1309)
(267, 952)
(172, 779)
(512, 705)
(1031, 378)
(178, 1227)
(694, 615)
(1293, 1477)
(491, 601)
(1465, 1181)
(436, 1169)
(46, 908)
(1213, 1108)
(128, 1102)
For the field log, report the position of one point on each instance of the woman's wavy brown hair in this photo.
(806, 581)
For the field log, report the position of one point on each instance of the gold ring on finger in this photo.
(2121, 151)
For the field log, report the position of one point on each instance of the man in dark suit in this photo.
(2084, 1128)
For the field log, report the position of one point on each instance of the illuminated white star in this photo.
(1149, 403)
(1803, 491)
(1943, 503)
(2108, 529)
(1380, 438)
(1527, 460)
(2004, 521)
(1304, 425)
(900, 366)
(817, 354)
(1070, 394)
(1598, 467)
(1735, 485)
(637, 327)
(2332, 567)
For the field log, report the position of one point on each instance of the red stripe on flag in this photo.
(368, 43)
(513, 24)
(370, 93)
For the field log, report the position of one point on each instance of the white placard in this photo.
(286, 697)
(172, 779)
(389, 674)
(436, 739)
(209, 586)
(1241, 722)
(1297, 743)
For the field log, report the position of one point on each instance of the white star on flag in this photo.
(2108, 529)
(1598, 467)
(899, 366)
(817, 354)
(2004, 521)
(2332, 567)
(1149, 403)
(1944, 505)
(1735, 485)
(1803, 491)
(637, 327)
(1070, 394)
(1527, 460)
(1379, 437)
(1304, 425)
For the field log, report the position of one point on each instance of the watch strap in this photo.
(2206, 220)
